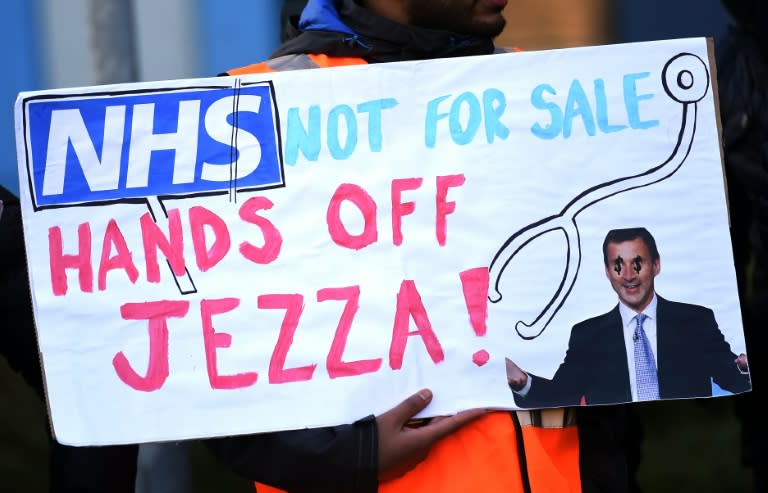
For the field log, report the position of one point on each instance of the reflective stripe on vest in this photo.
(296, 62)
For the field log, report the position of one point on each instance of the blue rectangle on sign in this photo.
(99, 148)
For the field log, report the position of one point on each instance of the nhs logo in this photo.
(126, 146)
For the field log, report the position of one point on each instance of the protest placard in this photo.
(244, 254)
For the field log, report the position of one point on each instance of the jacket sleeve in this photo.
(720, 358)
(334, 459)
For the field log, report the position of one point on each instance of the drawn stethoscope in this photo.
(686, 80)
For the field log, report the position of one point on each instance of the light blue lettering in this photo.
(374, 108)
(632, 99)
(339, 151)
(299, 137)
(461, 135)
(430, 124)
(555, 126)
(601, 103)
(494, 104)
(578, 105)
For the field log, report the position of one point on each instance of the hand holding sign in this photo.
(402, 447)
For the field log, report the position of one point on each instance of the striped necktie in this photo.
(645, 364)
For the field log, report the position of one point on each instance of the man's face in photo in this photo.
(480, 18)
(631, 272)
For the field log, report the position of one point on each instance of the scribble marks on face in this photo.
(617, 265)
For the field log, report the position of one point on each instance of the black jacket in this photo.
(18, 343)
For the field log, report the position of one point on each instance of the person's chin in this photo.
(492, 27)
(631, 300)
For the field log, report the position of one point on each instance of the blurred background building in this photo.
(48, 45)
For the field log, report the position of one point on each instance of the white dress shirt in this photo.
(649, 326)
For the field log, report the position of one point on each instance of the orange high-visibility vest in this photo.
(493, 454)
(295, 62)
(496, 454)
(509, 452)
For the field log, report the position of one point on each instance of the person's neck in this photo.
(643, 308)
(393, 10)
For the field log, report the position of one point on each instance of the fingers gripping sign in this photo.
(402, 447)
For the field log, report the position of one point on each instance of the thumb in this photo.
(414, 404)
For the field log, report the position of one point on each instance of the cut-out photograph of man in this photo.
(645, 348)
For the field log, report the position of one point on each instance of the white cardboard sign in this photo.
(236, 255)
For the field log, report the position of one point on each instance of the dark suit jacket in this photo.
(691, 352)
